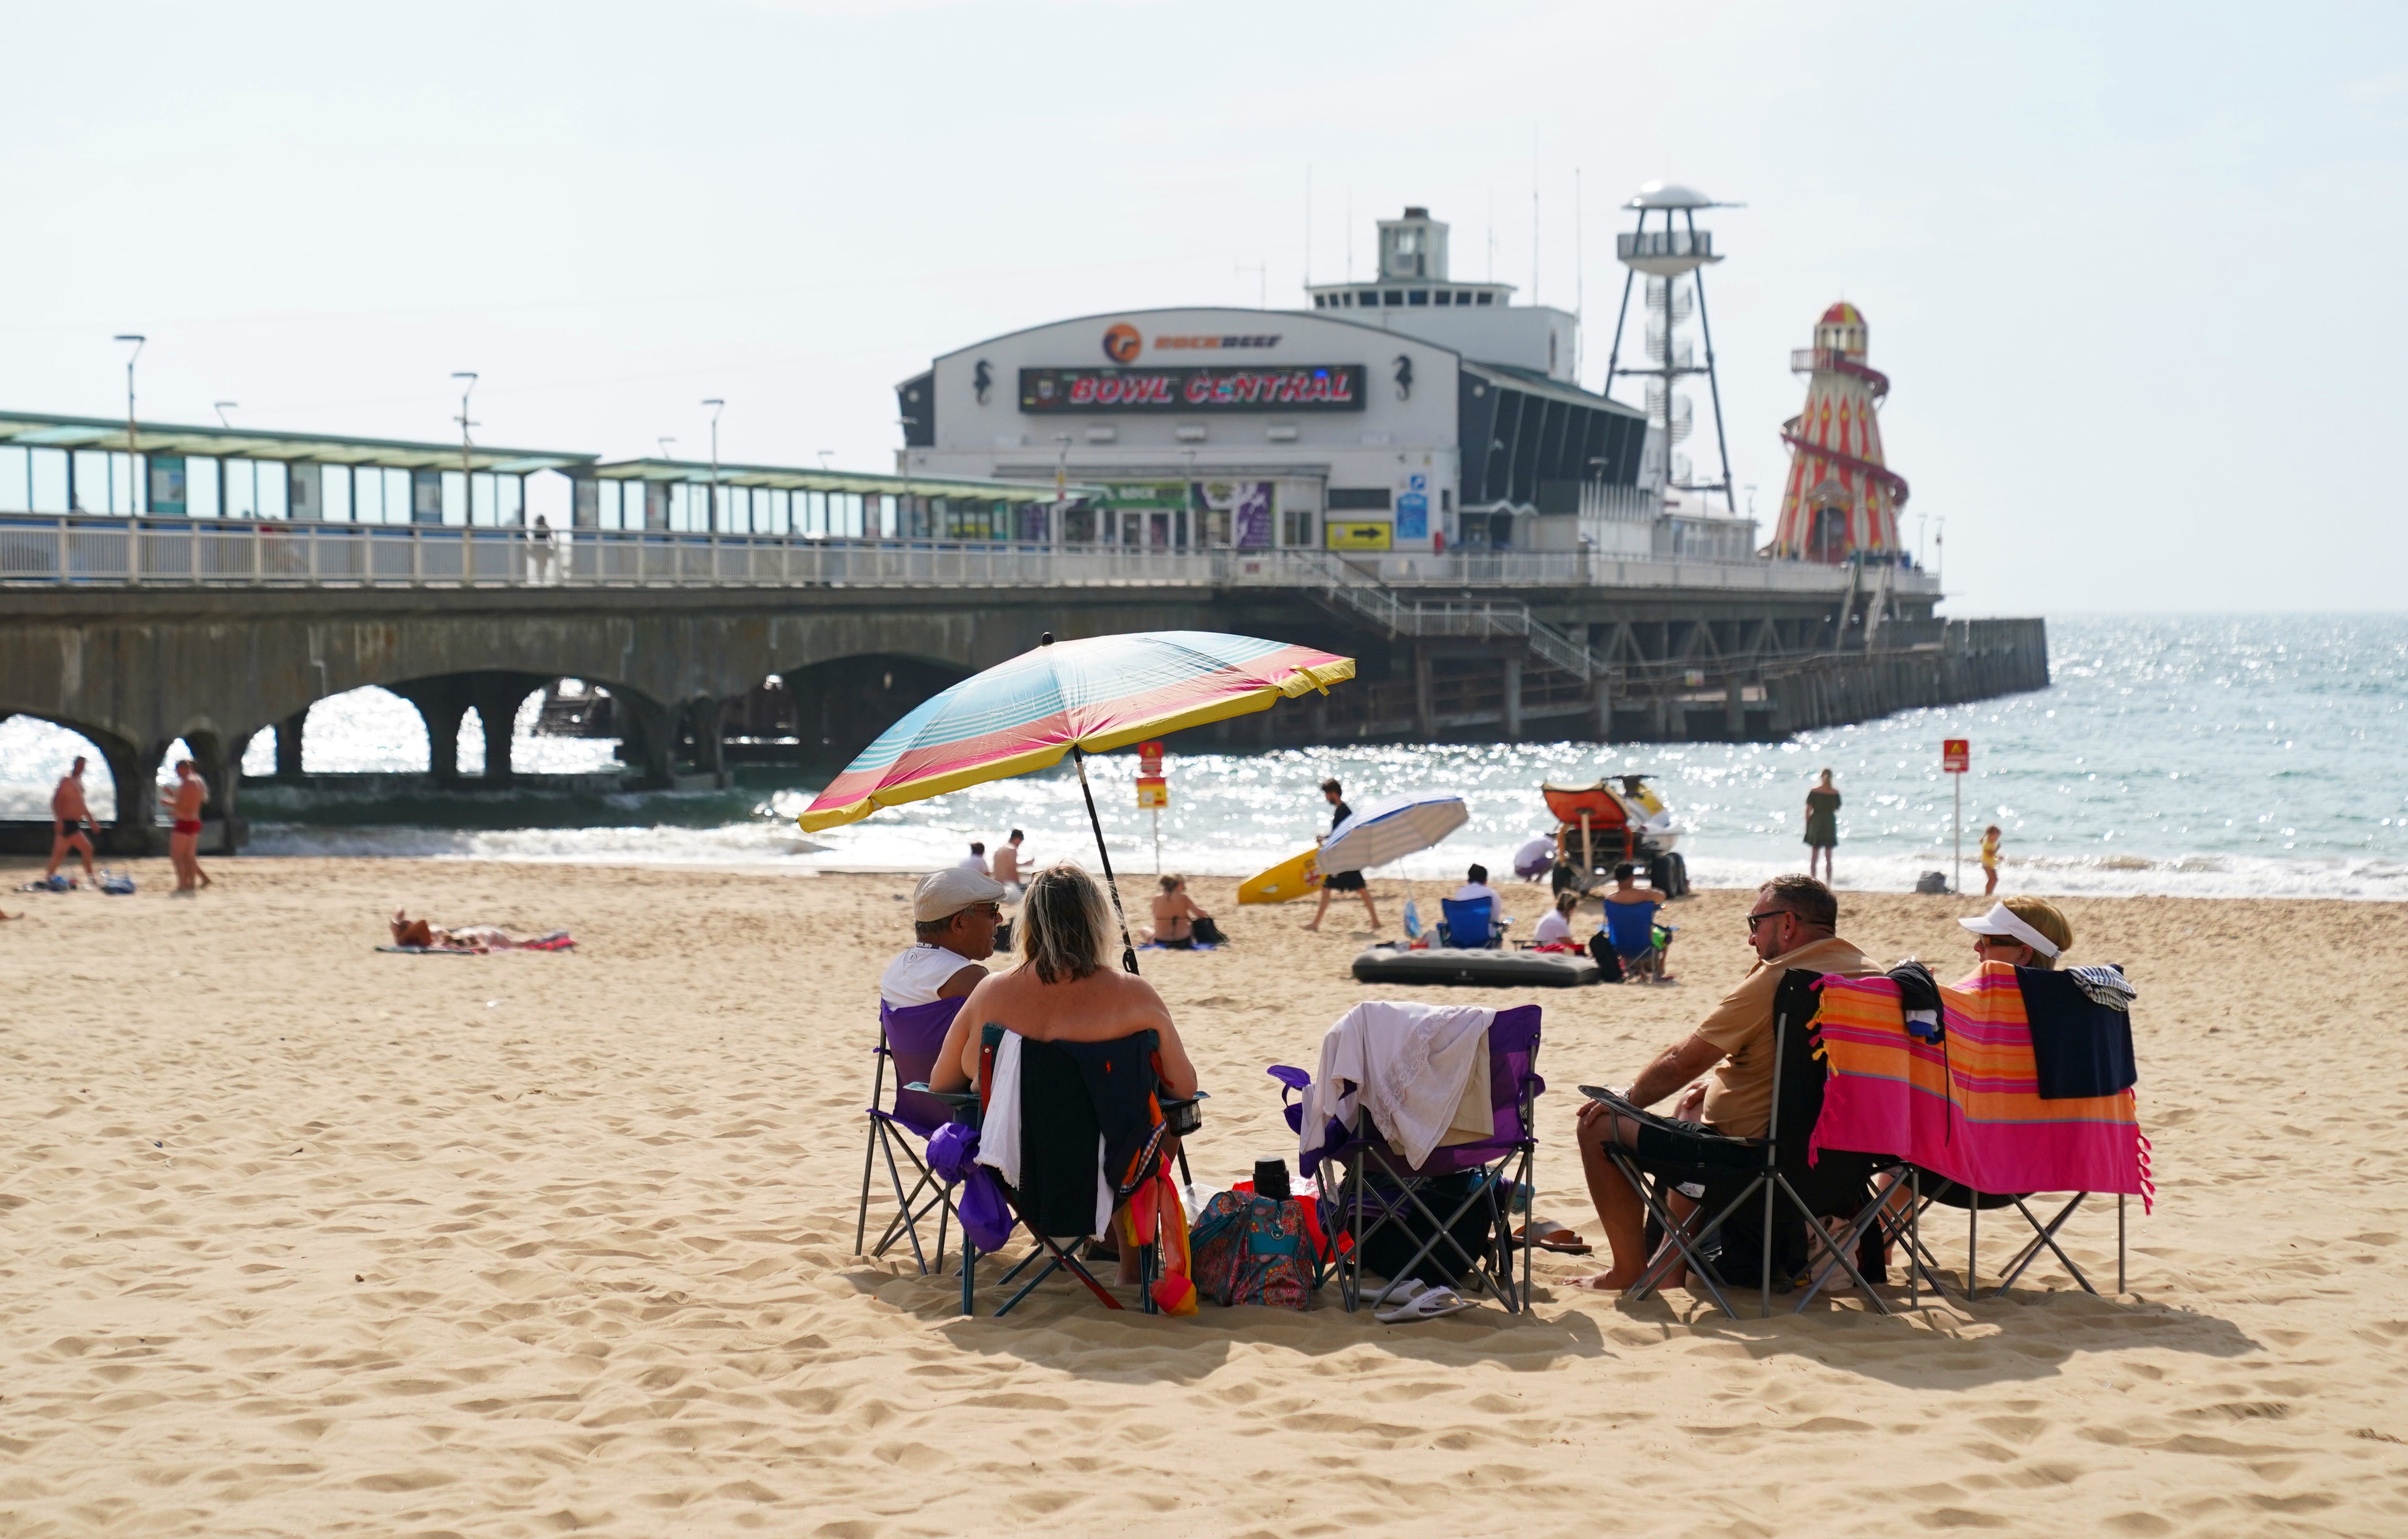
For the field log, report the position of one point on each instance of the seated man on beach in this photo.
(1175, 914)
(1791, 924)
(1631, 924)
(953, 916)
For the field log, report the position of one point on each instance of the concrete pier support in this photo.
(1735, 710)
(1424, 704)
(441, 703)
(702, 721)
(648, 738)
(1513, 697)
(1602, 715)
(288, 744)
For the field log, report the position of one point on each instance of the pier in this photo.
(136, 633)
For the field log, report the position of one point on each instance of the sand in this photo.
(303, 1239)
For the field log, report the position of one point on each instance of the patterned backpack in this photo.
(1250, 1249)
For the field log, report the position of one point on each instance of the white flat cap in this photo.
(943, 895)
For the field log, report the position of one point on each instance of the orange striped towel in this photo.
(1966, 1107)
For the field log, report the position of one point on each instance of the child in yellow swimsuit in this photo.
(1989, 860)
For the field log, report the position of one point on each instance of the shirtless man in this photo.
(74, 822)
(183, 802)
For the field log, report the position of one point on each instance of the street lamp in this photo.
(219, 407)
(468, 491)
(716, 405)
(133, 465)
(825, 455)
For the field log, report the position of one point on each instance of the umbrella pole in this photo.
(1129, 951)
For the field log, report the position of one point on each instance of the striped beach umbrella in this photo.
(1074, 697)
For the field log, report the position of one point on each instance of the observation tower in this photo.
(1673, 259)
(1840, 499)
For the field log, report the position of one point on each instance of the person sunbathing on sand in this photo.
(1792, 924)
(468, 937)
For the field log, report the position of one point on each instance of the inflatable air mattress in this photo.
(1476, 969)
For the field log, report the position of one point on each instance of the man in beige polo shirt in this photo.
(1790, 925)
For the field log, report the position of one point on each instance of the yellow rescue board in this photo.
(1295, 877)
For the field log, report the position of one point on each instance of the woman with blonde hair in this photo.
(1064, 989)
(2028, 932)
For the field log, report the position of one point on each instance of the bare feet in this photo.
(1314, 925)
(1608, 1281)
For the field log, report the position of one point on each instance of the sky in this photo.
(2130, 268)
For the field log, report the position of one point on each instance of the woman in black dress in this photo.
(1341, 881)
(1822, 824)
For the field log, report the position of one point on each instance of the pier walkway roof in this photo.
(39, 430)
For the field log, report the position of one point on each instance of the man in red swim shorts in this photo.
(183, 802)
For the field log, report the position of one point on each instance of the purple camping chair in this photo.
(1378, 1191)
(911, 1036)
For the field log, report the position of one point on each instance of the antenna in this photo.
(1350, 232)
(1580, 273)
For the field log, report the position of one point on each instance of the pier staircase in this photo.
(1353, 595)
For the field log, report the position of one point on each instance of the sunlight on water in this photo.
(2210, 755)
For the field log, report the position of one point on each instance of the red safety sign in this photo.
(1149, 758)
(1956, 755)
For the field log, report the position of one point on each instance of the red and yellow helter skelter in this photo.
(1840, 499)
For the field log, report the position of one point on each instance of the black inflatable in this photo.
(1476, 969)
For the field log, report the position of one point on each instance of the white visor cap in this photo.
(2002, 920)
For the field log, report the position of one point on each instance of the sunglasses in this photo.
(1755, 920)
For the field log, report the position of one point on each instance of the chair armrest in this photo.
(957, 1100)
(1181, 1114)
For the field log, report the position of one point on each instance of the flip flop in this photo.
(1428, 1305)
(1401, 1291)
(1549, 1235)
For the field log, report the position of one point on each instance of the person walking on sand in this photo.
(183, 802)
(72, 818)
(1006, 866)
(1989, 860)
(1341, 881)
(1822, 824)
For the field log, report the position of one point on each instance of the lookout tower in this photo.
(1674, 257)
(1841, 498)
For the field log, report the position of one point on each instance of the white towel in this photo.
(1409, 1064)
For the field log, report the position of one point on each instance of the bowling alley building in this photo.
(1409, 413)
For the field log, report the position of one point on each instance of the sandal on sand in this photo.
(1547, 1234)
(1429, 1304)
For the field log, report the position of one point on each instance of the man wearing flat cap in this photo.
(953, 915)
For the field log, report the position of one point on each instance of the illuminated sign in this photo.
(1121, 343)
(1325, 387)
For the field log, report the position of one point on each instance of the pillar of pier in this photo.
(496, 696)
(287, 744)
(704, 719)
(1734, 710)
(1513, 697)
(646, 738)
(1424, 706)
(441, 703)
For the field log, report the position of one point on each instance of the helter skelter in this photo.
(1841, 500)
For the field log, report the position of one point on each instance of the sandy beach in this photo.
(304, 1239)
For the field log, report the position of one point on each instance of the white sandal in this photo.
(1427, 1304)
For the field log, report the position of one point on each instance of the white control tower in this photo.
(1673, 258)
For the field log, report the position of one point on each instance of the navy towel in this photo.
(2079, 1049)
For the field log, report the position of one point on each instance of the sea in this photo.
(2210, 755)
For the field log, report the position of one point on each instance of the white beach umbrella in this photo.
(1391, 829)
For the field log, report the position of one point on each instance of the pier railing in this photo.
(37, 550)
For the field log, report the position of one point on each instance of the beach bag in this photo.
(1250, 1249)
(1209, 933)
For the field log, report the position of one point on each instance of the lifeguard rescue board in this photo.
(1296, 877)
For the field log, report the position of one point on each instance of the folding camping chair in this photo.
(1630, 929)
(1378, 1191)
(1762, 1190)
(1928, 1189)
(1469, 925)
(1180, 1117)
(910, 1036)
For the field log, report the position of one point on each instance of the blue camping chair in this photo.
(1630, 929)
(1470, 925)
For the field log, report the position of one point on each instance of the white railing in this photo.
(42, 550)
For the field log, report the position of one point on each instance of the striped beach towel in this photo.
(1966, 1107)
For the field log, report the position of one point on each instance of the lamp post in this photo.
(468, 487)
(1061, 485)
(716, 405)
(221, 407)
(133, 460)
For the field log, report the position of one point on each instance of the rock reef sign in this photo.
(1324, 386)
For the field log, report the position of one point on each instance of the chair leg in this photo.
(2119, 1245)
(2046, 1235)
(1681, 1239)
(869, 1164)
(969, 1274)
(904, 1203)
(1842, 1251)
